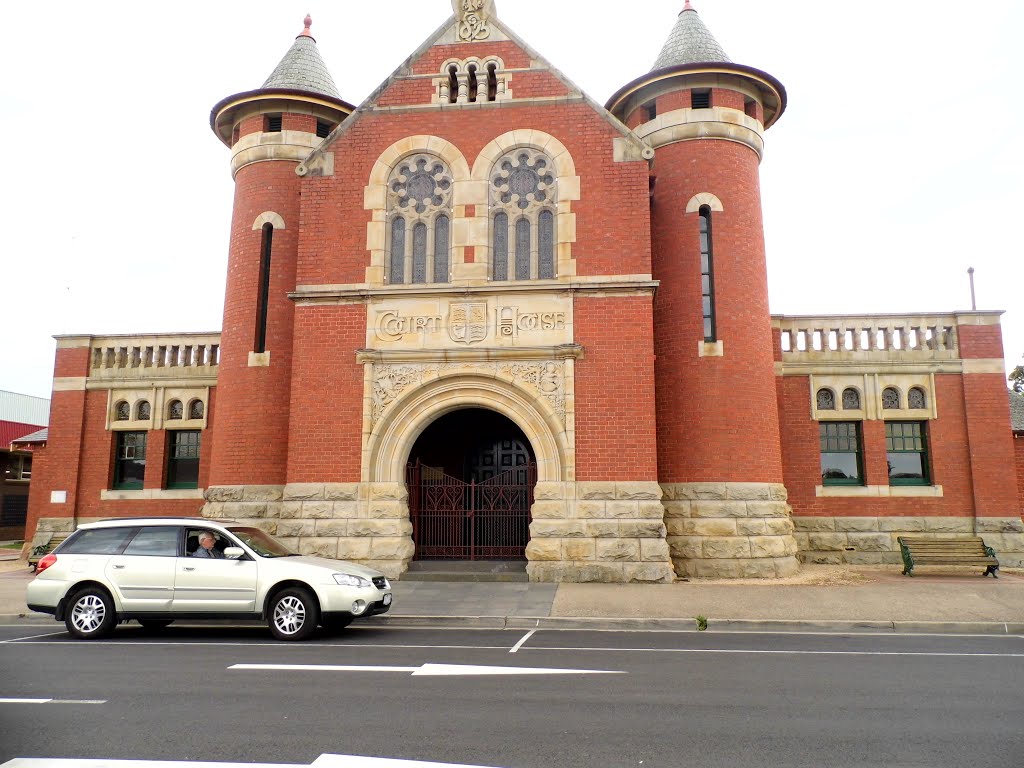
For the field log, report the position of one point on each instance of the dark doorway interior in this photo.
(471, 476)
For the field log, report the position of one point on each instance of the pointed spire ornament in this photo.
(690, 42)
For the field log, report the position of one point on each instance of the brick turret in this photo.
(719, 455)
(270, 131)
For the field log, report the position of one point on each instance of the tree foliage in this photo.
(1017, 379)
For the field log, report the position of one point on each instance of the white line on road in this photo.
(324, 761)
(31, 637)
(53, 701)
(428, 670)
(522, 640)
(782, 652)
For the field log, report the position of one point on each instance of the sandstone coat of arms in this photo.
(467, 323)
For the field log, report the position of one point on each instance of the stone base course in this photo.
(730, 530)
(606, 532)
(873, 540)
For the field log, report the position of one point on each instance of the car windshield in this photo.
(261, 542)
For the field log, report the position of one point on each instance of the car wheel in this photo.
(336, 625)
(294, 614)
(90, 614)
(155, 624)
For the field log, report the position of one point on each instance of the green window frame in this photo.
(183, 458)
(906, 446)
(842, 457)
(130, 461)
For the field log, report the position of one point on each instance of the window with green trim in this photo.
(906, 445)
(130, 461)
(183, 459)
(841, 460)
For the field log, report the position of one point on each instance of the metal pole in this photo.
(970, 274)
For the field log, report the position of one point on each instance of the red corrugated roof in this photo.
(12, 430)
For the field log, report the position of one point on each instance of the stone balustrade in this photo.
(183, 355)
(868, 337)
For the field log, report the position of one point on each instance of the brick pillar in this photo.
(57, 468)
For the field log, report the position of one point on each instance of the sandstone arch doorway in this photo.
(471, 478)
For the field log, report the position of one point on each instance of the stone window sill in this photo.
(156, 494)
(879, 491)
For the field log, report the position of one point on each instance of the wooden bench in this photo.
(967, 551)
(44, 549)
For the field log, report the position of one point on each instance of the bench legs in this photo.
(991, 569)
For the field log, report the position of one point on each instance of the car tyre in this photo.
(90, 614)
(337, 624)
(155, 625)
(294, 614)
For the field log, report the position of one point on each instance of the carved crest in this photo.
(467, 323)
(472, 17)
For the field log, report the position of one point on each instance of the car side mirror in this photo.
(233, 553)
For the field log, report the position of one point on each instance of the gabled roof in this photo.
(690, 42)
(302, 69)
(435, 39)
(1017, 411)
(34, 439)
(12, 430)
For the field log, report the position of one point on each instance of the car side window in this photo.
(97, 541)
(155, 541)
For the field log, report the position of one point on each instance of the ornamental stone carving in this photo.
(472, 19)
(544, 377)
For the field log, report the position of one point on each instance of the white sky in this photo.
(897, 165)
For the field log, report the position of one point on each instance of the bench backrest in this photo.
(973, 545)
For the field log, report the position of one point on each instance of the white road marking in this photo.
(781, 652)
(428, 670)
(324, 761)
(522, 640)
(53, 701)
(24, 701)
(31, 637)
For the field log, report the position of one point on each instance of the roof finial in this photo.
(688, 7)
(308, 21)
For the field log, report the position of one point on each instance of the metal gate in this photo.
(456, 520)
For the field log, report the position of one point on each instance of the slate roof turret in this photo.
(690, 42)
(302, 69)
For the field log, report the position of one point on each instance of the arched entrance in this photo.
(470, 477)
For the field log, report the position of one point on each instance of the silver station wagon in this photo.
(158, 570)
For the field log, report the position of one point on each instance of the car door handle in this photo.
(188, 568)
(118, 567)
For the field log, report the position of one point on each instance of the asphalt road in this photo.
(660, 698)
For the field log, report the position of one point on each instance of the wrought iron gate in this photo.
(456, 520)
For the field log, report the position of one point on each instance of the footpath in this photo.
(820, 599)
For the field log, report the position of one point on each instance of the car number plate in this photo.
(387, 599)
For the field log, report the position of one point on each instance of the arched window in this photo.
(263, 289)
(851, 399)
(175, 410)
(122, 411)
(195, 409)
(419, 206)
(142, 411)
(890, 398)
(523, 202)
(916, 398)
(826, 400)
(707, 275)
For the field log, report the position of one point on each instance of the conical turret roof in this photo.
(690, 43)
(302, 69)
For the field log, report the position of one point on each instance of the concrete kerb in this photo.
(526, 623)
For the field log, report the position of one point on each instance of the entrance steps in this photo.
(467, 570)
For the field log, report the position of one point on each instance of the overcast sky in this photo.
(897, 165)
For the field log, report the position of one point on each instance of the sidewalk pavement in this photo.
(820, 599)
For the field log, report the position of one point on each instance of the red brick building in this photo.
(482, 317)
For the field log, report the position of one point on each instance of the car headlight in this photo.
(348, 580)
